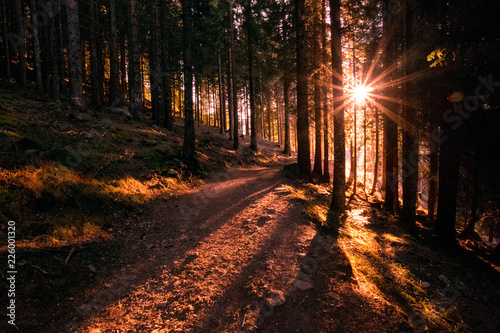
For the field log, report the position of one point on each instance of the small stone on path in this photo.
(303, 285)
(425, 285)
(276, 298)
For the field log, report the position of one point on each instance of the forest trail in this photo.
(224, 259)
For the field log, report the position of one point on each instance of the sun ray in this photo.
(407, 126)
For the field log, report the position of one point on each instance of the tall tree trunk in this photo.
(410, 135)
(304, 153)
(233, 77)
(324, 93)
(135, 81)
(433, 182)
(449, 166)
(4, 37)
(316, 77)
(375, 159)
(36, 45)
(188, 148)
(155, 70)
(94, 62)
(286, 91)
(20, 43)
(253, 135)
(269, 127)
(221, 96)
(262, 116)
(114, 64)
(123, 69)
(391, 202)
(74, 54)
(63, 58)
(337, 206)
(230, 87)
(166, 76)
(471, 224)
(52, 58)
(364, 149)
(354, 165)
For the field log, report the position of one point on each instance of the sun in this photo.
(361, 92)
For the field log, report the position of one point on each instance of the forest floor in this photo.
(118, 237)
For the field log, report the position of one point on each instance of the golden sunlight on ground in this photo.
(375, 248)
(244, 256)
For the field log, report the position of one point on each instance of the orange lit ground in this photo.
(241, 238)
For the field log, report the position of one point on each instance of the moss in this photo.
(7, 119)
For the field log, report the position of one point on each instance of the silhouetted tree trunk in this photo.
(449, 166)
(316, 77)
(233, 77)
(433, 182)
(155, 69)
(135, 81)
(375, 159)
(74, 54)
(230, 87)
(304, 154)
(53, 49)
(337, 206)
(114, 64)
(253, 136)
(222, 100)
(61, 56)
(324, 93)
(94, 62)
(391, 201)
(5, 38)
(166, 75)
(410, 135)
(123, 69)
(20, 44)
(364, 149)
(36, 45)
(188, 148)
(286, 91)
(471, 224)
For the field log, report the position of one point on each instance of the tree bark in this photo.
(74, 54)
(304, 154)
(375, 159)
(36, 45)
(188, 148)
(316, 77)
(391, 200)
(52, 58)
(253, 135)
(20, 43)
(286, 91)
(166, 75)
(449, 166)
(233, 77)
(324, 93)
(114, 64)
(222, 101)
(433, 182)
(135, 81)
(410, 135)
(5, 38)
(94, 62)
(337, 206)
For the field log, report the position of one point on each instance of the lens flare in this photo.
(361, 93)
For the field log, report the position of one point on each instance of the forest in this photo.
(250, 165)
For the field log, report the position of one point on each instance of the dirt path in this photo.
(237, 255)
